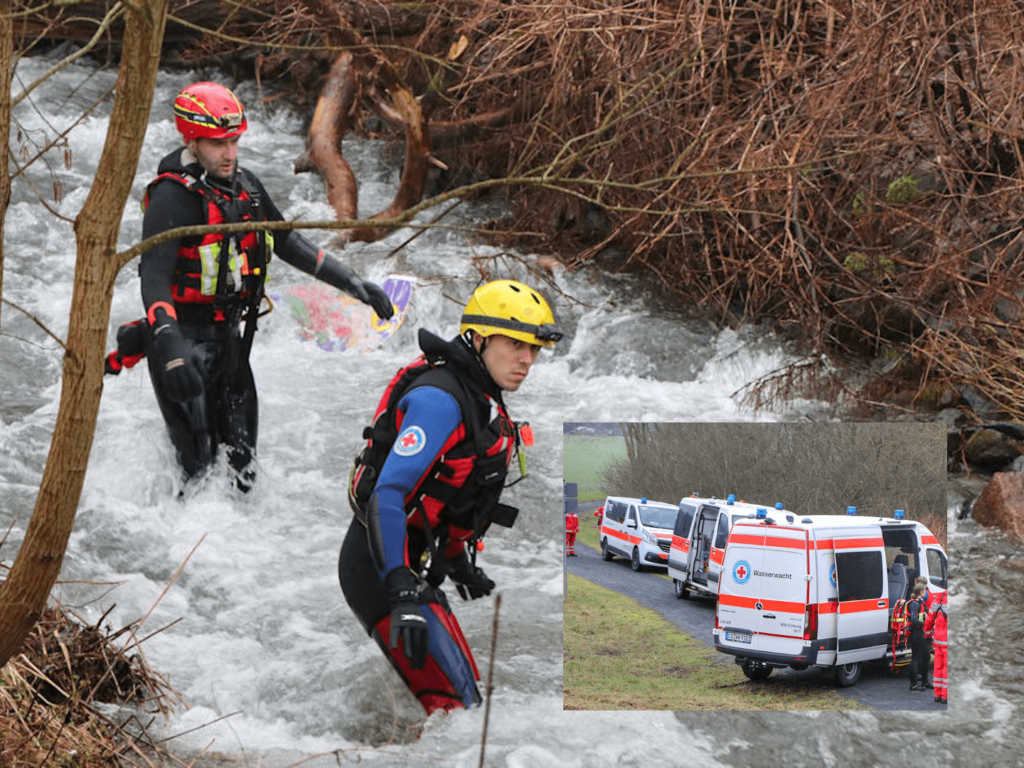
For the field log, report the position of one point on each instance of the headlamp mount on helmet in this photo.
(546, 332)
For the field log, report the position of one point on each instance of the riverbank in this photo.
(74, 696)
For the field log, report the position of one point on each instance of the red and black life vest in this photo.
(460, 492)
(221, 272)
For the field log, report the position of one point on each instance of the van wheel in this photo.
(606, 554)
(635, 560)
(682, 592)
(756, 670)
(848, 674)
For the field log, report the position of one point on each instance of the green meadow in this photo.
(584, 460)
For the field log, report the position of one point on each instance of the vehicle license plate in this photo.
(737, 637)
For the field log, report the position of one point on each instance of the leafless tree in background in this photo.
(810, 468)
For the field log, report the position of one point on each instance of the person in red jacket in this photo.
(572, 525)
(599, 514)
(936, 624)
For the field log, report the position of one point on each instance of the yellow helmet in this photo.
(511, 309)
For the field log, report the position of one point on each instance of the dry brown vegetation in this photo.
(50, 691)
(848, 172)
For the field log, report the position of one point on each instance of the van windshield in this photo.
(658, 517)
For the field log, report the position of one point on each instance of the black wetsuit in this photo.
(227, 413)
(918, 644)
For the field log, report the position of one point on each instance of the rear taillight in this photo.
(717, 625)
(811, 622)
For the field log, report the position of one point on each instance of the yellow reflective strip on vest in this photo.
(208, 279)
(235, 264)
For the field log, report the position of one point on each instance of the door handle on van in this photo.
(768, 615)
(883, 603)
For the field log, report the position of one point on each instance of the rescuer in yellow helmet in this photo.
(427, 485)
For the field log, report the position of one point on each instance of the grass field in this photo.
(618, 654)
(584, 460)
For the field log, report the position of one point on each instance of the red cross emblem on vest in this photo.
(410, 441)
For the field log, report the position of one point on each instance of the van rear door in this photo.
(764, 589)
(679, 550)
(701, 540)
(862, 626)
(717, 557)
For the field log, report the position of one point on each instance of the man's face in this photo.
(508, 360)
(217, 156)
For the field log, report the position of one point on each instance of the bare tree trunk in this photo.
(23, 595)
(6, 67)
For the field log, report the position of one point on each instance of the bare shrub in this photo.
(810, 468)
(847, 171)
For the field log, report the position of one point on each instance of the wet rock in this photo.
(992, 448)
(1001, 504)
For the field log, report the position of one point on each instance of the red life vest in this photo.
(201, 276)
(461, 489)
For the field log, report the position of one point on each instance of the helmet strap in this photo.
(467, 338)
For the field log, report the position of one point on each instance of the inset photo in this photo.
(742, 566)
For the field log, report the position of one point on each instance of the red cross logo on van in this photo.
(741, 572)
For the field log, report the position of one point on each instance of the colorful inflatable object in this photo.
(338, 322)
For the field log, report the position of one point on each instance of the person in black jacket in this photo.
(199, 292)
(917, 611)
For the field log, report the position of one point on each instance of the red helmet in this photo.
(208, 111)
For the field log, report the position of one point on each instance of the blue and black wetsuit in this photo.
(435, 494)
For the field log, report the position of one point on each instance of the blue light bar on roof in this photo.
(898, 514)
(762, 513)
(778, 505)
(731, 499)
(851, 510)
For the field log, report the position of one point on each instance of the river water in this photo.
(271, 666)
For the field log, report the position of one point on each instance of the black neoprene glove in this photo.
(336, 274)
(470, 581)
(407, 622)
(180, 375)
(379, 300)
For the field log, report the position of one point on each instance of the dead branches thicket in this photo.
(52, 696)
(847, 171)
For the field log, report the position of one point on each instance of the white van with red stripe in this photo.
(637, 529)
(698, 541)
(819, 591)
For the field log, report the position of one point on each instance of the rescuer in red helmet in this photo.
(200, 292)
